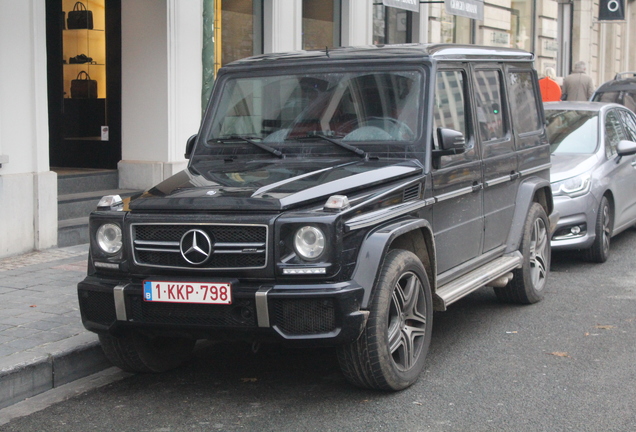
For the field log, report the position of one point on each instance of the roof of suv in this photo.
(401, 51)
(621, 81)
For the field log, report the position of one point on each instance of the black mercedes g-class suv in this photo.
(332, 198)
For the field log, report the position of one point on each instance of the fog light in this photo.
(575, 230)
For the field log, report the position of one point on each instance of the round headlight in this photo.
(109, 238)
(309, 242)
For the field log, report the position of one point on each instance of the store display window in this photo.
(321, 24)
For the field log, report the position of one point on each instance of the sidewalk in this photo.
(42, 341)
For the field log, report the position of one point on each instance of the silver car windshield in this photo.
(571, 131)
(354, 107)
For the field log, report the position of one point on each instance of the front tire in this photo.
(136, 352)
(528, 282)
(600, 249)
(390, 353)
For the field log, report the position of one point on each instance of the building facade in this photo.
(154, 63)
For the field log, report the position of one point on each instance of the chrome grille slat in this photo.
(234, 246)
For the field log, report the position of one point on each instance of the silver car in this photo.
(593, 174)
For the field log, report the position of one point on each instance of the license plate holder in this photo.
(188, 292)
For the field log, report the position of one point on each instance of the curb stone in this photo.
(27, 374)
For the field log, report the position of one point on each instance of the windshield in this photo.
(571, 131)
(288, 110)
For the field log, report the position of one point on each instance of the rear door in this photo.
(493, 134)
(457, 180)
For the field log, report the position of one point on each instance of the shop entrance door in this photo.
(84, 83)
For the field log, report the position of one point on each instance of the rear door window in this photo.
(489, 107)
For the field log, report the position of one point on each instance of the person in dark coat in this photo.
(578, 86)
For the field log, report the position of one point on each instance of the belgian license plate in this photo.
(188, 292)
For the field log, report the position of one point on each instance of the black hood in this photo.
(268, 185)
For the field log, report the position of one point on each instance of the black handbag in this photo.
(83, 87)
(79, 17)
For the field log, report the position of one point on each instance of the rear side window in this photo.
(523, 101)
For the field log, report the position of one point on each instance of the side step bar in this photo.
(454, 290)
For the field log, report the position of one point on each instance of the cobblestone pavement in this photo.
(38, 299)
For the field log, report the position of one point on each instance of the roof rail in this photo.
(622, 75)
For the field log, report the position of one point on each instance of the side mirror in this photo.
(626, 148)
(451, 142)
(190, 146)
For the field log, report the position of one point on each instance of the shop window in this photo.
(391, 25)
(321, 24)
(521, 24)
(241, 30)
(455, 29)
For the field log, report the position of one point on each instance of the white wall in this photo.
(28, 190)
(161, 87)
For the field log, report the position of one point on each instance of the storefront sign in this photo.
(412, 5)
(467, 8)
(611, 10)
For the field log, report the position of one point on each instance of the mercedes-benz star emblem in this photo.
(196, 247)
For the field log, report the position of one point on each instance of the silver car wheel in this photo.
(606, 232)
(407, 321)
(538, 254)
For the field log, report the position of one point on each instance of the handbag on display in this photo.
(79, 17)
(83, 87)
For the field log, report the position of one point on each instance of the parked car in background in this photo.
(593, 174)
(622, 90)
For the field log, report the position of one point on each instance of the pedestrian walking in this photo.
(550, 89)
(578, 86)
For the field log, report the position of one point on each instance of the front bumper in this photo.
(575, 212)
(319, 314)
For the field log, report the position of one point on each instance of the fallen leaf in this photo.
(587, 334)
(559, 354)
(245, 380)
(33, 306)
(605, 327)
(417, 403)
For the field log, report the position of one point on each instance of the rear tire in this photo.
(390, 353)
(136, 352)
(528, 282)
(600, 249)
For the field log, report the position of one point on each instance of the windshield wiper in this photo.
(339, 143)
(250, 140)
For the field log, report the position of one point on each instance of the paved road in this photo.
(567, 363)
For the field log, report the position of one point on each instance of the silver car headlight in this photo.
(309, 243)
(573, 187)
(109, 238)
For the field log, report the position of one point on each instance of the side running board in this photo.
(458, 288)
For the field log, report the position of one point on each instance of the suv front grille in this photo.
(232, 246)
